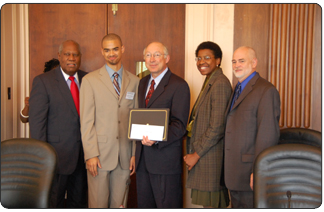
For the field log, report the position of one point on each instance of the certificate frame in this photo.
(149, 116)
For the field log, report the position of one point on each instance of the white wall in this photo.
(14, 68)
(206, 22)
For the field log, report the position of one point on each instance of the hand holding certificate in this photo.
(151, 123)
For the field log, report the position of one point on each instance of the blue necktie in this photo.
(237, 94)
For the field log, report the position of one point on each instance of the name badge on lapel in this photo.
(130, 95)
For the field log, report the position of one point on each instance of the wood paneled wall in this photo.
(51, 24)
(140, 24)
(291, 62)
(251, 28)
(287, 41)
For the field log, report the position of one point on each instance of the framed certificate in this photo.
(148, 122)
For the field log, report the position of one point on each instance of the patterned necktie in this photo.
(150, 92)
(237, 94)
(116, 85)
(75, 93)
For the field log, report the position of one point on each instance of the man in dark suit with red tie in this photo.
(54, 118)
(252, 125)
(159, 164)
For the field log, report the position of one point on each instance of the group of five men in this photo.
(95, 156)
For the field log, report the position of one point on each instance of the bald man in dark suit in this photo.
(252, 125)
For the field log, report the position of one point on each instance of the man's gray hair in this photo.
(62, 44)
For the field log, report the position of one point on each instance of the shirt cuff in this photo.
(26, 117)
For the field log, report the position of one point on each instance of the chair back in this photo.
(27, 170)
(300, 136)
(288, 176)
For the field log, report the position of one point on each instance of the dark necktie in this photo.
(75, 93)
(150, 92)
(116, 85)
(236, 94)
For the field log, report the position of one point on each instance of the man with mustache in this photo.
(252, 125)
(54, 118)
(107, 94)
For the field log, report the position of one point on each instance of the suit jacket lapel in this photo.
(229, 104)
(105, 78)
(160, 88)
(248, 88)
(142, 91)
(64, 89)
(207, 88)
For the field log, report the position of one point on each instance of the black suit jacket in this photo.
(173, 93)
(53, 118)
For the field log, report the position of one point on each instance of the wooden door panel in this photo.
(140, 24)
(51, 24)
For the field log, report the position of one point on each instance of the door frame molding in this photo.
(15, 60)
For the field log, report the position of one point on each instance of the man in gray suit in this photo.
(54, 118)
(106, 95)
(252, 125)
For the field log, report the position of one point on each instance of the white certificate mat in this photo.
(154, 132)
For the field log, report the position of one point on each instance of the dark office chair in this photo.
(301, 136)
(27, 170)
(288, 176)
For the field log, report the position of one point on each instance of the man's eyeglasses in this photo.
(156, 55)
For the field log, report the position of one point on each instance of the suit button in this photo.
(118, 122)
(117, 137)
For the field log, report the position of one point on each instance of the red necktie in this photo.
(150, 92)
(75, 93)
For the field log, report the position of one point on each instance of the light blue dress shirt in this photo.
(111, 74)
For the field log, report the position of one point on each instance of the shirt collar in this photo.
(66, 76)
(158, 79)
(111, 72)
(245, 82)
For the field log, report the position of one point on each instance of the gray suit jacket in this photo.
(208, 134)
(53, 118)
(251, 126)
(104, 118)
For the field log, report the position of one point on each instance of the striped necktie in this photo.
(116, 85)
